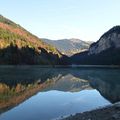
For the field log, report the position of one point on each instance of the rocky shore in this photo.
(111, 112)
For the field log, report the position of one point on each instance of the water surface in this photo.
(34, 93)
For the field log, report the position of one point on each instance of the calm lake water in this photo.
(34, 93)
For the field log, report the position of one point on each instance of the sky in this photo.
(59, 19)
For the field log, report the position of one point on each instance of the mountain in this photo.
(69, 46)
(106, 51)
(109, 40)
(18, 46)
(68, 83)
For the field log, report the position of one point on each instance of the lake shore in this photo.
(62, 66)
(111, 112)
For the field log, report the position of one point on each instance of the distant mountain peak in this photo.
(69, 46)
(76, 40)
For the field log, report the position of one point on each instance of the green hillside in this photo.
(18, 46)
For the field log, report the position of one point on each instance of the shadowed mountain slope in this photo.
(18, 46)
(106, 51)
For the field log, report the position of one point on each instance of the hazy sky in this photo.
(57, 19)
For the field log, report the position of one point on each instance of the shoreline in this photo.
(111, 112)
(65, 66)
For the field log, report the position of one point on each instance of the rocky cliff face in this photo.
(106, 51)
(110, 39)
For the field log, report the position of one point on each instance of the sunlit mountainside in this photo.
(18, 46)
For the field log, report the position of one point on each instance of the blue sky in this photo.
(59, 19)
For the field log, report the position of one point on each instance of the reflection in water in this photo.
(20, 83)
(52, 104)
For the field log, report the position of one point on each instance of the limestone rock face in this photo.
(110, 39)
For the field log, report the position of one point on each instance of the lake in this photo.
(35, 93)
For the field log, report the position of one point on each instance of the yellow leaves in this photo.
(3, 88)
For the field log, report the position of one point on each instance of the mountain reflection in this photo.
(19, 83)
